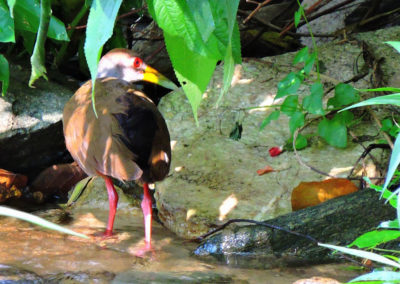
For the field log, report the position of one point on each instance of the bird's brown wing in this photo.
(117, 142)
(145, 134)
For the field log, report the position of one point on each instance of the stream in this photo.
(34, 255)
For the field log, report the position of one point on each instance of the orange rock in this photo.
(313, 193)
(11, 185)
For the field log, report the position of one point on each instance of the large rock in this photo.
(213, 178)
(31, 136)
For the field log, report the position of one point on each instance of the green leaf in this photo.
(387, 124)
(301, 143)
(174, 18)
(27, 17)
(11, 4)
(301, 56)
(289, 105)
(393, 164)
(77, 191)
(363, 254)
(383, 89)
(345, 117)
(297, 17)
(289, 85)
(345, 94)
(229, 68)
(4, 74)
(393, 224)
(296, 121)
(382, 276)
(272, 116)
(202, 15)
(5, 211)
(6, 24)
(334, 132)
(313, 102)
(394, 44)
(37, 58)
(309, 63)
(393, 99)
(192, 70)
(102, 14)
(29, 40)
(374, 238)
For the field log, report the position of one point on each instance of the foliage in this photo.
(197, 35)
(388, 230)
(332, 129)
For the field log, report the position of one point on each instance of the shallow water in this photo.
(48, 253)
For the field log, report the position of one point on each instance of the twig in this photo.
(259, 6)
(161, 47)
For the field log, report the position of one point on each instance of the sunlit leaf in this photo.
(5, 211)
(289, 85)
(202, 15)
(374, 238)
(363, 254)
(6, 24)
(308, 65)
(301, 55)
(4, 74)
(393, 164)
(192, 70)
(272, 116)
(102, 14)
(394, 44)
(393, 224)
(11, 4)
(383, 89)
(313, 102)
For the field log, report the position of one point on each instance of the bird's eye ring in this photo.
(137, 62)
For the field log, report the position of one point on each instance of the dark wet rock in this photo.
(338, 221)
(14, 275)
(171, 277)
(31, 136)
(81, 277)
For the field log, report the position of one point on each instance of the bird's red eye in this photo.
(137, 62)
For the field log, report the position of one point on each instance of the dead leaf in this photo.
(313, 193)
(265, 170)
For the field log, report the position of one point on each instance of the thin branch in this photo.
(259, 6)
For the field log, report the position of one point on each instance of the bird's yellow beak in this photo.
(153, 76)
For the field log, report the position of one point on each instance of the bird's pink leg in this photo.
(147, 213)
(113, 202)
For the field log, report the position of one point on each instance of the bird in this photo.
(128, 139)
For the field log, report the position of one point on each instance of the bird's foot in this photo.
(107, 234)
(145, 251)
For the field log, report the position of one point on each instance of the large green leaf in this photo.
(203, 18)
(4, 74)
(393, 164)
(296, 121)
(289, 105)
(334, 132)
(374, 238)
(5, 211)
(6, 24)
(37, 58)
(27, 17)
(102, 14)
(192, 70)
(272, 116)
